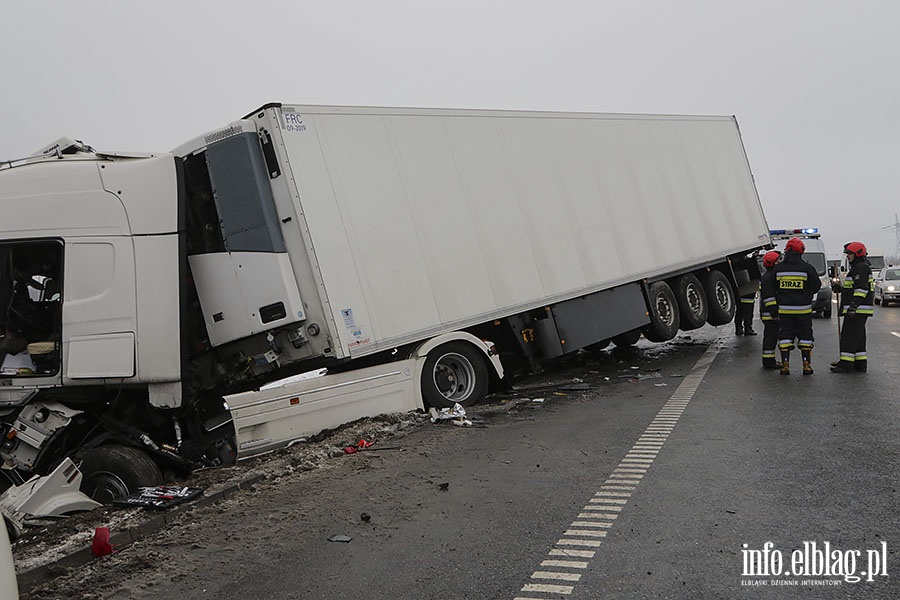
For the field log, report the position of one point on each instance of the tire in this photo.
(664, 317)
(629, 338)
(693, 306)
(454, 373)
(720, 296)
(114, 471)
(826, 314)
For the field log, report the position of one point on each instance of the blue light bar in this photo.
(806, 231)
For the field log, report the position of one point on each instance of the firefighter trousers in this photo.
(769, 343)
(853, 342)
(795, 327)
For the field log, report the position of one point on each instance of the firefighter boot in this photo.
(807, 368)
(785, 367)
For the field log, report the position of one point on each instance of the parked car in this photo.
(887, 286)
(8, 588)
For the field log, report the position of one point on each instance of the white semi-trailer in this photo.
(147, 300)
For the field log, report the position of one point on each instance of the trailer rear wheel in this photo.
(721, 298)
(454, 373)
(115, 471)
(664, 318)
(629, 338)
(693, 306)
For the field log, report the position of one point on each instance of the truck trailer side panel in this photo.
(424, 220)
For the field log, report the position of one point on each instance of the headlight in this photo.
(891, 288)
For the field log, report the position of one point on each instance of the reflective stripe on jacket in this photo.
(796, 284)
(858, 289)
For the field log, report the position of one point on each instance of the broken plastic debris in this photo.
(340, 538)
(159, 497)
(661, 384)
(641, 376)
(538, 400)
(447, 414)
(361, 445)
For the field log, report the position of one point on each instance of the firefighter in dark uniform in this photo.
(768, 310)
(743, 315)
(857, 305)
(796, 284)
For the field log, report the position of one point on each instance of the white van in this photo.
(814, 255)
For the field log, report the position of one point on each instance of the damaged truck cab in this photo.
(90, 312)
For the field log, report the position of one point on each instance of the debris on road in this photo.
(43, 499)
(457, 415)
(576, 387)
(640, 376)
(360, 445)
(159, 497)
(340, 538)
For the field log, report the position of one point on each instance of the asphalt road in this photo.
(666, 479)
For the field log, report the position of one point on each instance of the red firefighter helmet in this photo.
(795, 245)
(770, 258)
(855, 248)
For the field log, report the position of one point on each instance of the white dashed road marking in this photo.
(585, 534)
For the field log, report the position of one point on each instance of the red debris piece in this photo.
(100, 545)
(361, 445)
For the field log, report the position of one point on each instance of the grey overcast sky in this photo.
(814, 83)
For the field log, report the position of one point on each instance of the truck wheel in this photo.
(114, 471)
(721, 298)
(664, 318)
(693, 307)
(629, 338)
(454, 373)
